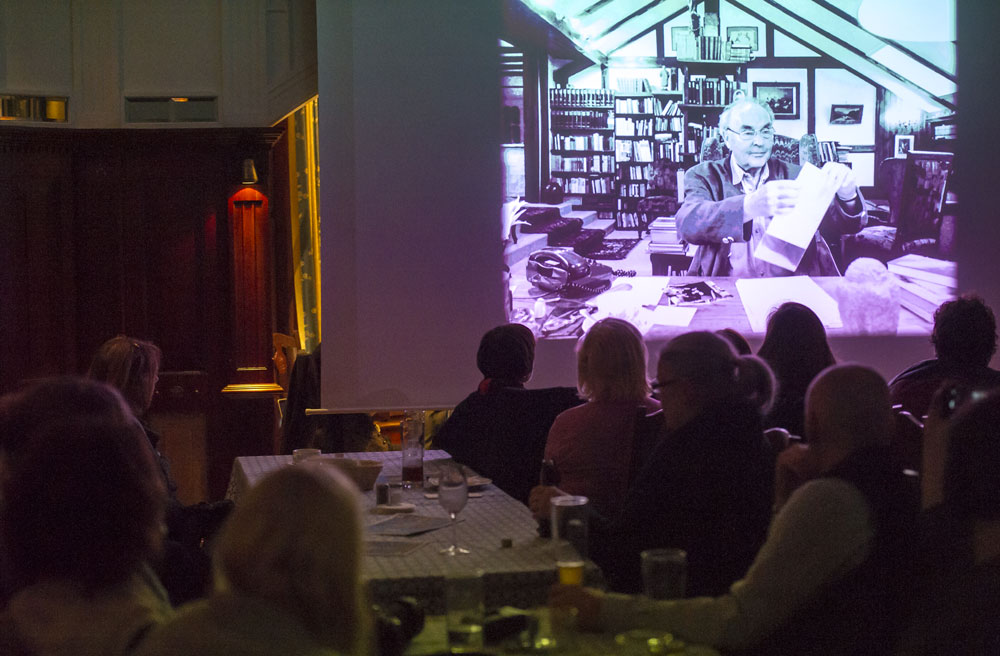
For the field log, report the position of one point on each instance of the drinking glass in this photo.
(664, 573)
(413, 449)
(453, 492)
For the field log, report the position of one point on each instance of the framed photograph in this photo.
(903, 145)
(679, 35)
(742, 37)
(846, 114)
(783, 97)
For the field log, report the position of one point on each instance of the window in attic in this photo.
(39, 109)
(171, 109)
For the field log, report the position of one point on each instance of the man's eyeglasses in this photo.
(747, 134)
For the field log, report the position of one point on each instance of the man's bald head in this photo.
(848, 408)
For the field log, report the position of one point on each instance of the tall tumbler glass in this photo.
(664, 573)
(413, 449)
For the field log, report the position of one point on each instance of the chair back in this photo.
(713, 148)
(917, 215)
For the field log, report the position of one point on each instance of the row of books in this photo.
(924, 283)
(669, 124)
(697, 133)
(599, 141)
(672, 150)
(634, 105)
(633, 127)
(628, 172)
(628, 219)
(709, 91)
(592, 163)
(581, 119)
(633, 85)
(589, 185)
(581, 97)
(634, 151)
(632, 189)
(668, 108)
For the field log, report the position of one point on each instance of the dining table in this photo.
(500, 533)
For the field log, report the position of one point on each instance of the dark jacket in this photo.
(914, 387)
(861, 612)
(500, 433)
(712, 217)
(706, 488)
(332, 433)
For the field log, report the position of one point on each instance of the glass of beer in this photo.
(413, 449)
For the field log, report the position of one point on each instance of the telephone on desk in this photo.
(565, 272)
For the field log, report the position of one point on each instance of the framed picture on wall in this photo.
(742, 37)
(846, 114)
(783, 98)
(903, 144)
(679, 37)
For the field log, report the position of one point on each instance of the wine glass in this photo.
(453, 492)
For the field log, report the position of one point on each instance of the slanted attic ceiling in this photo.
(595, 30)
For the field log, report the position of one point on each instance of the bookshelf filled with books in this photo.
(582, 148)
(635, 123)
(708, 89)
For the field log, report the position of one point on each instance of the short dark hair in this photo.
(85, 505)
(972, 469)
(965, 331)
(507, 353)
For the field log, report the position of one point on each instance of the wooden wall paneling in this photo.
(98, 257)
(39, 315)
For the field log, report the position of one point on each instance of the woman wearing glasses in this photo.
(729, 203)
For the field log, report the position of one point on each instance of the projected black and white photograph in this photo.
(846, 114)
(648, 199)
(781, 97)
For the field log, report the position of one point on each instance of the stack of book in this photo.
(924, 283)
(663, 236)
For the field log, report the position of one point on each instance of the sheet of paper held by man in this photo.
(762, 295)
(789, 233)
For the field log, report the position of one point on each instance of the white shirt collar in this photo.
(739, 173)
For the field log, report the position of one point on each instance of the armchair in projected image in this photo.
(916, 188)
(663, 197)
(789, 150)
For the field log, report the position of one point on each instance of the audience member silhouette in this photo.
(82, 516)
(957, 570)
(736, 340)
(593, 445)
(827, 579)
(796, 349)
(499, 430)
(965, 339)
(707, 486)
(288, 572)
(133, 367)
(26, 411)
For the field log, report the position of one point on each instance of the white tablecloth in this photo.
(519, 575)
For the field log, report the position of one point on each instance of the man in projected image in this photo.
(729, 203)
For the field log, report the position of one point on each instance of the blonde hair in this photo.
(295, 540)
(611, 362)
(130, 365)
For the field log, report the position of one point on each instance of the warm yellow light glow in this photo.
(55, 110)
(178, 100)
